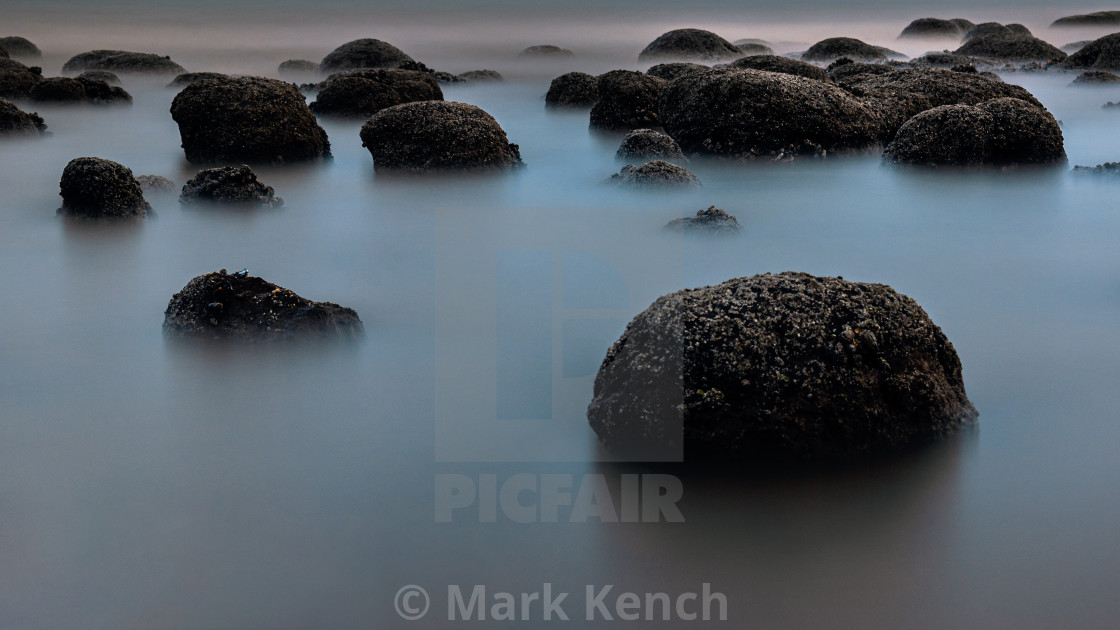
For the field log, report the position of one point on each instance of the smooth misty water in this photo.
(145, 484)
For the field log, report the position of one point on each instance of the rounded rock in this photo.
(122, 61)
(20, 47)
(655, 174)
(690, 44)
(364, 53)
(647, 144)
(1100, 54)
(1010, 47)
(229, 185)
(627, 100)
(545, 50)
(16, 79)
(363, 93)
(297, 66)
(930, 28)
(574, 89)
(835, 47)
(16, 122)
(670, 71)
(94, 188)
(78, 90)
(781, 65)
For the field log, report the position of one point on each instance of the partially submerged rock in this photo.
(755, 49)
(364, 53)
(718, 368)
(1095, 78)
(783, 65)
(122, 61)
(20, 47)
(238, 306)
(930, 28)
(16, 79)
(79, 90)
(248, 119)
(1099, 18)
(711, 220)
(655, 174)
(97, 188)
(1111, 169)
(229, 185)
(1010, 47)
(627, 100)
(1100, 54)
(690, 44)
(363, 93)
(16, 122)
(850, 47)
(647, 144)
(438, 136)
(545, 50)
(101, 75)
(574, 89)
(297, 66)
(155, 184)
(480, 76)
(190, 78)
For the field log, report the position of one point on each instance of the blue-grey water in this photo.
(146, 484)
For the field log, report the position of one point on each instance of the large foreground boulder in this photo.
(1100, 18)
(78, 90)
(574, 89)
(229, 185)
(363, 93)
(627, 100)
(16, 79)
(364, 53)
(238, 306)
(1100, 54)
(95, 188)
(1010, 47)
(1000, 132)
(122, 61)
(836, 47)
(248, 119)
(647, 144)
(655, 174)
(690, 44)
(437, 135)
(931, 28)
(783, 65)
(720, 368)
(20, 47)
(16, 122)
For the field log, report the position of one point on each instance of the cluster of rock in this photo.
(78, 90)
(16, 79)
(96, 188)
(1099, 54)
(229, 185)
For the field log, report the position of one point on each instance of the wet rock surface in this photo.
(573, 89)
(1095, 77)
(78, 90)
(97, 188)
(155, 184)
(928, 28)
(248, 119)
(16, 79)
(438, 136)
(20, 47)
(782, 65)
(545, 50)
(1100, 54)
(711, 220)
(363, 93)
(16, 122)
(190, 78)
(647, 144)
(122, 61)
(1010, 47)
(655, 174)
(719, 367)
(364, 53)
(670, 71)
(850, 47)
(229, 185)
(238, 306)
(690, 44)
(627, 100)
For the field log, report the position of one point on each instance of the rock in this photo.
(446, 77)
(363, 93)
(627, 100)
(1108, 168)
(364, 53)
(842, 72)
(574, 89)
(1100, 18)
(16, 122)
(1100, 54)
(248, 119)
(475, 76)
(836, 47)
(646, 144)
(20, 47)
(655, 174)
(101, 75)
(940, 60)
(928, 28)
(783, 65)
(991, 76)
(545, 50)
(94, 188)
(749, 113)
(78, 90)
(229, 184)
(4, 52)
(995, 28)
(866, 373)
(155, 184)
(1095, 77)
(439, 136)
(1110, 105)
(297, 66)
(690, 44)
(965, 67)
(122, 61)
(755, 49)
(1010, 47)
(190, 78)
(16, 79)
(1073, 47)
(670, 71)
(711, 220)
(238, 306)
(1000, 132)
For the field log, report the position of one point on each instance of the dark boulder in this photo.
(1010, 47)
(711, 220)
(850, 47)
(439, 136)
(755, 49)
(238, 306)
(574, 89)
(1100, 18)
(783, 65)
(229, 185)
(627, 100)
(16, 122)
(79, 90)
(690, 44)
(94, 188)
(248, 119)
(1095, 78)
(101, 75)
(670, 71)
(188, 78)
(297, 66)
(545, 50)
(1073, 47)
(843, 72)
(363, 93)
(122, 61)
(1000, 132)
(155, 184)
(20, 47)
(4, 53)
(479, 76)
(1100, 54)
(647, 144)
(928, 28)
(16, 79)
(719, 367)
(364, 53)
(995, 28)
(940, 60)
(655, 174)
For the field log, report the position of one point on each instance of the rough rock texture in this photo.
(238, 306)
(1100, 18)
(545, 50)
(850, 47)
(16, 79)
(1111, 169)
(656, 174)
(101, 75)
(188, 78)
(364, 53)
(927, 28)
(20, 47)
(690, 44)
(867, 372)
(711, 220)
(155, 183)
(4, 52)
(783, 65)
(627, 100)
(940, 60)
(574, 89)
(995, 28)
(229, 184)
(755, 49)
(647, 144)
(249, 119)
(1010, 47)
(1073, 47)
(670, 71)
(363, 93)
(999, 132)
(78, 90)
(477, 76)
(842, 72)
(297, 66)
(1100, 54)
(94, 188)
(437, 135)
(122, 61)
(16, 122)
(1096, 77)
(748, 113)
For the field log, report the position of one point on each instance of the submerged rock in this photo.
(1000, 132)
(1095, 78)
(477, 76)
(718, 367)
(545, 50)
(1010, 47)
(364, 53)
(439, 136)
(94, 188)
(363, 93)
(670, 71)
(190, 78)
(690, 44)
(20, 47)
(1100, 18)
(1100, 54)
(627, 100)
(229, 184)
(755, 49)
(122, 61)
(1108, 168)
(574, 89)
(16, 79)
(927, 28)
(656, 174)
(155, 183)
(850, 47)
(782, 65)
(101, 75)
(646, 144)
(248, 119)
(16, 122)
(238, 306)
(711, 220)
(78, 90)
(297, 66)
